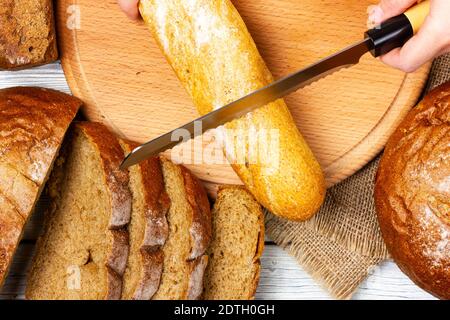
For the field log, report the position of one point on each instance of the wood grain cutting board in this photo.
(116, 68)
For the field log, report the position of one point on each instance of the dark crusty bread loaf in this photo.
(216, 60)
(83, 251)
(33, 123)
(189, 219)
(27, 33)
(235, 251)
(413, 194)
(148, 228)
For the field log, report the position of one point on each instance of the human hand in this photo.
(432, 40)
(130, 7)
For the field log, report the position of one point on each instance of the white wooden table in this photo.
(281, 278)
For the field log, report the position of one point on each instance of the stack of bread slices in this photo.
(143, 233)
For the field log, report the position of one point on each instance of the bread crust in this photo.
(412, 194)
(117, 180)
(11, 229)
(156, 205)
(200, 231)
(198, 268)
(201, 228)
(33, 123)
(216, 59)
(24, 44)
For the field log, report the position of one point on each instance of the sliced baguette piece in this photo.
(189, 219)
(33, 123)
(148, 228)
(84, 249)
(237, 245)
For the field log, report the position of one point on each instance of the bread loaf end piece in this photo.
(412, 194)
(33, 123)
(148, 228)
(189, 219)
(216, 59)
(237, 246)
(83, 251)
(27, 34)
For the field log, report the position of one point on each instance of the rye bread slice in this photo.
(148, 228)
(33, 123)
(237, 244)
(189, 219)
(84, 249)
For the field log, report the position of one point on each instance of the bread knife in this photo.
(380, 40)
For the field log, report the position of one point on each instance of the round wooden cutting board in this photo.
(115, 67)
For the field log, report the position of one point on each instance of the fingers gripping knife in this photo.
(391, 34)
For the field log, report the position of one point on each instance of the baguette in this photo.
(216, 59)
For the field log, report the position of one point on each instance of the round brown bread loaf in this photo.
(33, 123)
(412, 194)
(27, 34)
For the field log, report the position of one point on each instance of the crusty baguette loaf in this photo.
(189, 220)
(84, 249)
(148, 228)
(27, 33)
(412, 193)
(235, 251)
(33, 123)
(216, 59)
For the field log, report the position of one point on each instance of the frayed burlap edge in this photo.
(347, 217)
(337, 269)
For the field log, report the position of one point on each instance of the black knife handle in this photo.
(395, 32)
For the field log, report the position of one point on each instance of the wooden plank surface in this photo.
(132, 89)
(281, 277)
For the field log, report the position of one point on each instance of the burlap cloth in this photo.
(342, 243)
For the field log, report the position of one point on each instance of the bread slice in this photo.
(237, 245)
(27, 33)
(84, 249)
(33, 123)
(189, 220)
(148, 228)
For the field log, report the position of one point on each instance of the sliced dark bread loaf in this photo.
(235, 251)
(148, 228)
(33, 123)
(84, 249)
(189, 219)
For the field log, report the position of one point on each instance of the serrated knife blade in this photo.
(274, 91)
(393, 33)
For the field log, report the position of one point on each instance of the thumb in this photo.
(412, 55)
(387, 9)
